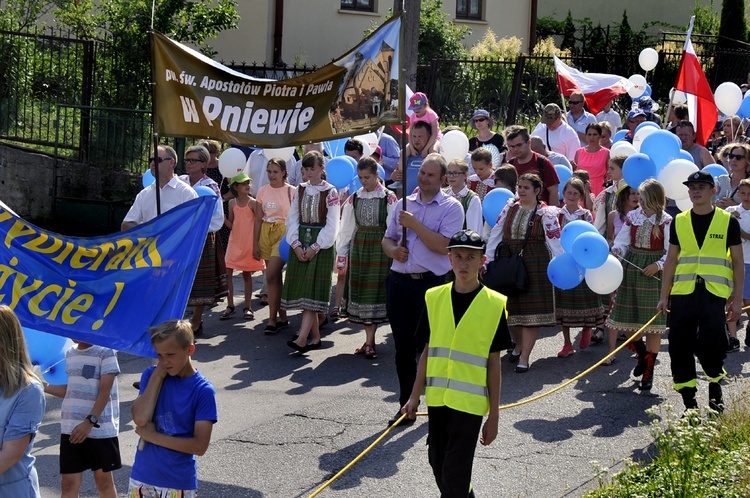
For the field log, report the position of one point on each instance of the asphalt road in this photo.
(287, 423)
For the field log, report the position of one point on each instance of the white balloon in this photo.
(639, 86)
(648, 59)
(673, 174)
(232, 162)
(369, 142)
(622, 148)
(728, 98)
(684, 204)
(455, 145)
(606, 278)
(285, 153)
(677, 97)
(641, 134)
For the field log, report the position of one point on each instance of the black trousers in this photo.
(696, 328)
(452, 439)
(404, 304)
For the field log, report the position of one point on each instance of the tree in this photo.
(733, 25)
(569, 33)
(438, 37)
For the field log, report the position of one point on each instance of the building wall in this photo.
(316, 31)
(675, 12)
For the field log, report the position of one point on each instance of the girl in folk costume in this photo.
(311, 231)
(580, 306)
(239, 254)
(482, 181)
(605, 201)
(271, 211)
(536, 307)
(365, 217)
(457, 173)
(642, 245)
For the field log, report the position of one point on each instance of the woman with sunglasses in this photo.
(737, 159)
(207, 288)
(494, 142)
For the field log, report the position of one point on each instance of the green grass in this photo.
(700, 455)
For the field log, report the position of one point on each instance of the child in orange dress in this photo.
(239, 254)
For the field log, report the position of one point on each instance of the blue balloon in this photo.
(203, 191)
(284, 249)
(334, 147)
(148, 178)
(590, 250)
(564, 174)
(716, 170)
(619, 135)
(638, 168)
(355, 184)
(56, 374)
(685, 155)
(493, 204)
(339, 171)
(662, 147)
(564, 273)
(381, 171)
(644, 125)
(351, 160)
(744, 110)
(43, 347)
(572, 230)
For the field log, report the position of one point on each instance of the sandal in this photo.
(248, 314)
(335, 313)
(370, 352)
(227, 313)
(271, 329)
(264, 300)
(361, 350)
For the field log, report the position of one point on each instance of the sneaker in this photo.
(734, 345)
(566, 351)
(585, 339)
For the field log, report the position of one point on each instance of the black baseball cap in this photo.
(700, 177)
(468, 239)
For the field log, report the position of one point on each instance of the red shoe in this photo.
(566, 351)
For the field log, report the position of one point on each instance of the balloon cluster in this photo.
(586, 257)
(48, 351)
(341, 172)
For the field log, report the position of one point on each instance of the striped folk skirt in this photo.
(208, 286)
(307, 285)
(368, 269)
(536, 307)
(636, 299)
(579, 307)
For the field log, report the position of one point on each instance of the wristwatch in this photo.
(93, 419)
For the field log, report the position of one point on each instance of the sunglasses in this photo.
(158, 159)
(735, 156)
(192, 161)
(480, 120)
(454, 173)
(575, 102)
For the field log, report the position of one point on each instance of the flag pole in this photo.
(402, 111)
(153, 111)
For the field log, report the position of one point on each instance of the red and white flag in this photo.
(700, 98)
(598, 88)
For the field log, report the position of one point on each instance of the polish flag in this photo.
(700, 98)
(598, 88)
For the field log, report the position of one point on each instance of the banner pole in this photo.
(153, 121)
(402, 110)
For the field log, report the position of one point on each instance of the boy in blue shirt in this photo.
(174, 416)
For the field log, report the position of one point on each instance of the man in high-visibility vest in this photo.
(704, 268)
(464, 328)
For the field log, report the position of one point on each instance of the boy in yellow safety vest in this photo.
(704, 268)
(464, 328)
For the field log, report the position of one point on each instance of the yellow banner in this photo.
(198, 97)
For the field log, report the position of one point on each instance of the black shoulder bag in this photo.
(506, 273)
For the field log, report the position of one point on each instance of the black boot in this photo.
(648, 374)
(688, 397)
(640, 349)
(715, 398)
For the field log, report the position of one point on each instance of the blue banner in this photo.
(103, 290)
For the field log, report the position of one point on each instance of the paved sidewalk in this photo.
(289, 422)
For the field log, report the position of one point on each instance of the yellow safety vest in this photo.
(457, 356)
(710, 262)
